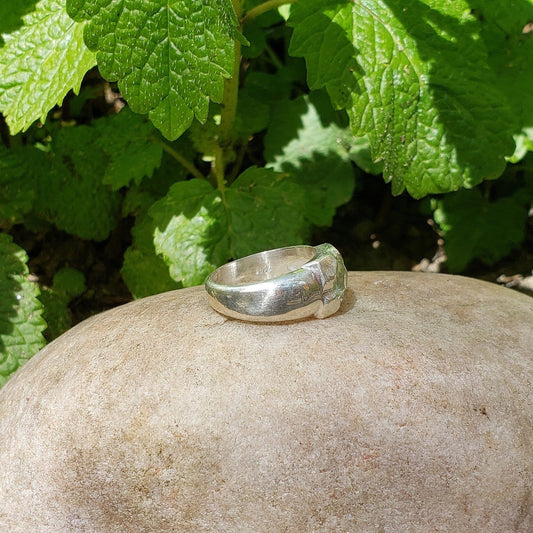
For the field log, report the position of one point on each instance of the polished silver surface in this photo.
(280, 285)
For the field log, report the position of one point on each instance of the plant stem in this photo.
(184, 162)
(229, 110)
(218, 171)
(238, 162)
(263, 8)
(274, 58)
(229, 101)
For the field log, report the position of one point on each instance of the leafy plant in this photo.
(233, 126)
(21, 323)
(68, 283)
(485, 225)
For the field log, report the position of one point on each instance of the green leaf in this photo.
(256, 36)
(197, 229)
(170, 58)
(271, 88)
(70, 192)
(21, 324)
(55, 313)
(130, 142)
(266, 210)
(509, 42)
(40, 63)
(305, 140)
(144, 272)
(191, 230)
(475, 228)
(69, 283)
(415, 78)
(252, 115)
(11, 14)
(17, 187)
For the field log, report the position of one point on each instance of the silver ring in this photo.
(278, 285)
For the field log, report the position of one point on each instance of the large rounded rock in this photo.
(409, 410)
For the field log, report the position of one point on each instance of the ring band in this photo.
(279, 285)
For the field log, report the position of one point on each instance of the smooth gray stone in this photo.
(409, 410)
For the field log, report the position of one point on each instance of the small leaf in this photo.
(70, 192)
(191, 230)
(306, 141)
(40, 63)
(69, 282)
(170, 58)
(197, 229)
(21, 323)
(144, 272)
(475, 228)
(129, 141)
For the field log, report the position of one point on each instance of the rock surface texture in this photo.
(410, 410)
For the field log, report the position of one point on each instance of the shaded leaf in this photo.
(144, 272)
(130, 142)
(21, 322)
(509, 42)
(475, 228)
(415, 78)
(306, 141)
(17, 186)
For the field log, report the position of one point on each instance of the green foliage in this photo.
(78, 162)
(21, 324)
(199, 227)
(410, 75)
(169, 59)
(54, 181)
(68, 283)
(17, 193)
(218, 128)
(74, 170)
(40, 63)
(144, 272)
(476, 227)
(306, 141)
